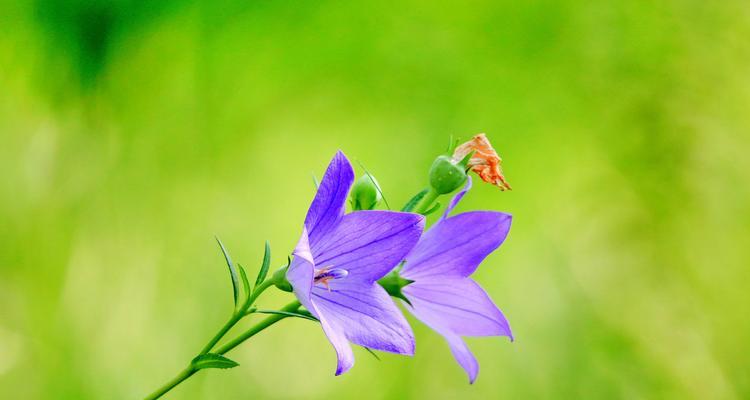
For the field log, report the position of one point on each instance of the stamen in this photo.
(326, 274)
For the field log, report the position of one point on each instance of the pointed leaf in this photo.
(264, 267)
(432, 209)
(245, 282)
(232, 271)
(414, 201)
(299, 314)
(213, 360)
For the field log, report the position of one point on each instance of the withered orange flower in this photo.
(485, 162)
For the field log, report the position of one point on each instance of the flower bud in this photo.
(446, 175)
(280, 281)
(365, 193)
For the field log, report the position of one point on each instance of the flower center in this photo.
(326, 274)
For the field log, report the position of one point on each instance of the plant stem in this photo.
(255, 329)
(238, 314)
(427, 201)
(186, 373)
(291, 307)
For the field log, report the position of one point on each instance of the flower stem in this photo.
(291, 307)
(427, 201)
(236, 316)
(186, 373)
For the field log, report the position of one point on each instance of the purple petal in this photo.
(463, 355)
(459, 306)
(369, 244)
(366, 315)
(300, 275)
(457, 198)
(330, 200)
(455, 246)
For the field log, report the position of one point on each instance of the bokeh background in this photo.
(131, 132)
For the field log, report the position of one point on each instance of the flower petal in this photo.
(455, 246)
(369, 244)
(366, 315)
(300, 275)
(460, 306)
(463, 355)
(330, 200)
(457, 198)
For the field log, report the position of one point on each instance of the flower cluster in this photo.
(346, 267)
(340, 258)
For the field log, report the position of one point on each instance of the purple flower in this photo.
(338, 260)
(442, 294)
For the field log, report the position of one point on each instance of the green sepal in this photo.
(393, 283)
(264, 267)
(232, 272)
(414, 201)
(212, 360)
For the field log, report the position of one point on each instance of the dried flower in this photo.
(484, 162)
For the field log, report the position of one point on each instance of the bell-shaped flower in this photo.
(338, 260)
(442, 295)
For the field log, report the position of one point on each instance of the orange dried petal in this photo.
(485, 162)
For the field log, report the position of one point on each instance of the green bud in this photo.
(280, 281)
(393, 283)
(446, 176)
(365, 193)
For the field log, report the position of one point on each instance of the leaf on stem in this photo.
(414, 201)
(213, 360)
(232, 271)
(264, 267)
(299, 314)
(245, 282)
(432, 209)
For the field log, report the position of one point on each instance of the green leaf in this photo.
(213, 360)
(245, 282)
(264, 267)
(432, 209)
(414, 201)
(299, 314)
(232, 272)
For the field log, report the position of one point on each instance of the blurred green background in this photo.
(132, 132)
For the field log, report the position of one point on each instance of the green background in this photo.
(132, 132)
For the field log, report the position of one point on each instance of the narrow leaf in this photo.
(264, 267)
(432, 209)
(414, 200)
(245, 282)
(213, 360)
(289, 314)
(232, 271)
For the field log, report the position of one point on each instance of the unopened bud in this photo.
(446, 175)
(365, 193)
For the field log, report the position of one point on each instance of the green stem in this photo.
(186, 373)
(255, 329)
(427, 201)
(291, 307)
(238, 314)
